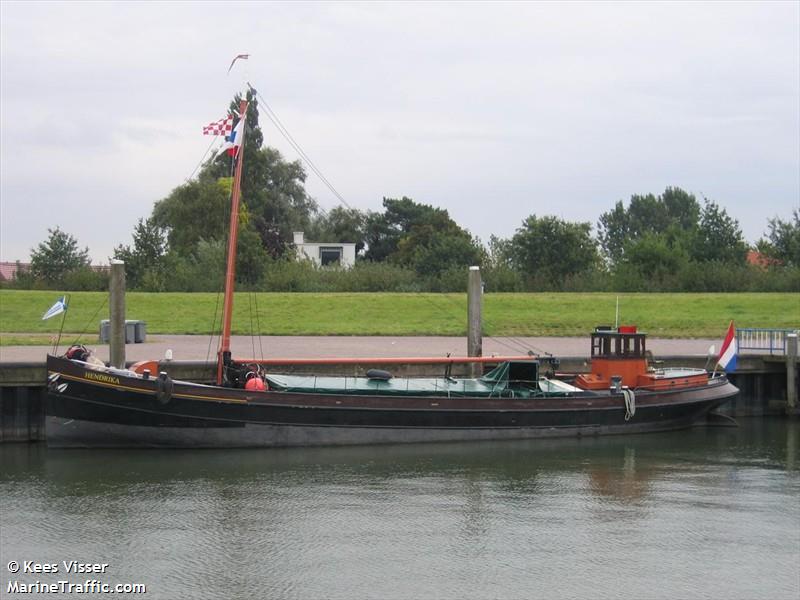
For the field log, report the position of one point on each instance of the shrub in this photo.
(85, 279)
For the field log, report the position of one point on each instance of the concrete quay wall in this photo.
(761, 379)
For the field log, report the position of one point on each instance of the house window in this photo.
(330, 255)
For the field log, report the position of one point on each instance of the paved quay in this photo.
(196, 347)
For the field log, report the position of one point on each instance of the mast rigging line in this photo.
(202, 160)
(224, 348)
(221, 288)
(90, 321)
(510, 342)
(272, 116)
(214, 333)
(258, 324)
(252, 337)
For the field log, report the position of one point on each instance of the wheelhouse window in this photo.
(330, 255)
(610, 344)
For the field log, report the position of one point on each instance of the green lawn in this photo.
(663, 315)
(30, 339)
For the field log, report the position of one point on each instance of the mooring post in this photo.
(116, 308)
(474, 319)
(791, 373)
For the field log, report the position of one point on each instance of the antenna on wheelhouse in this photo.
(236, 147)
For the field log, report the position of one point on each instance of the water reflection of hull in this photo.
(511, 460)
(509, 511)
(616, 467)
(86, 409)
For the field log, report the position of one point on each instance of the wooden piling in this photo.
(791, 373)
(474, 318)
(116, 307)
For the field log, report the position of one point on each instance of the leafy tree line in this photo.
(669, 242)
(415, 247)
(59, 262)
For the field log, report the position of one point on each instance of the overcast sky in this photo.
(493, 111)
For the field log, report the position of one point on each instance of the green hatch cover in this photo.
(494, 383)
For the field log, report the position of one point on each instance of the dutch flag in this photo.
(727, 355)
(234, 140)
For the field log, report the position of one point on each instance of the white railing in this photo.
(772, 341)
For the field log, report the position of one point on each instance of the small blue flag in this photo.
(57, 308)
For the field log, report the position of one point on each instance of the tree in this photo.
(193, 211)
(273, 205)
(381, 237)
(499, 253)
(401, 219)
(277, 200)
(613, 232)
(547, 247)
(273, 197)
(201, 271)
(783, 240)
(272, 188)
(198, 211)
(445, 252)
(674, 213)
(682, 208)
(52, 259)
(250, 255)
(341, 225)
(419, 236)
(718, 237)
(654, 258)
(146, 257)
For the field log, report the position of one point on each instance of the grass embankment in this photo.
(549, 314)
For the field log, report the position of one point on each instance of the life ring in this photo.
(164, 387)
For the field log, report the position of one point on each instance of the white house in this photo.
(334, 253)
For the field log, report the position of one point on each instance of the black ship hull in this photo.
(89, 408)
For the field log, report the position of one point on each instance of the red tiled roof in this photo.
(8, 270)
(754, 257)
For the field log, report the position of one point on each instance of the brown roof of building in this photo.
(8, 270)
(756, 258)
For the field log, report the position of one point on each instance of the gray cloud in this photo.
(493, 111)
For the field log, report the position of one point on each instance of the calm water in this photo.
(705, 513)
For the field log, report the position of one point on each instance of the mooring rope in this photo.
(630, 403)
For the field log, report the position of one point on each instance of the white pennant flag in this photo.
(57, 308)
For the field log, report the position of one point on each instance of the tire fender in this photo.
(164, 387)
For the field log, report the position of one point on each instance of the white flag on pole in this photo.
(59, 307)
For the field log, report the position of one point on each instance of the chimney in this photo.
(298, 238)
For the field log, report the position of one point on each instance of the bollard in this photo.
(791, 373)
(116, 308)
(474, 319)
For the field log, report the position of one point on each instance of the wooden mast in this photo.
(224, 356)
